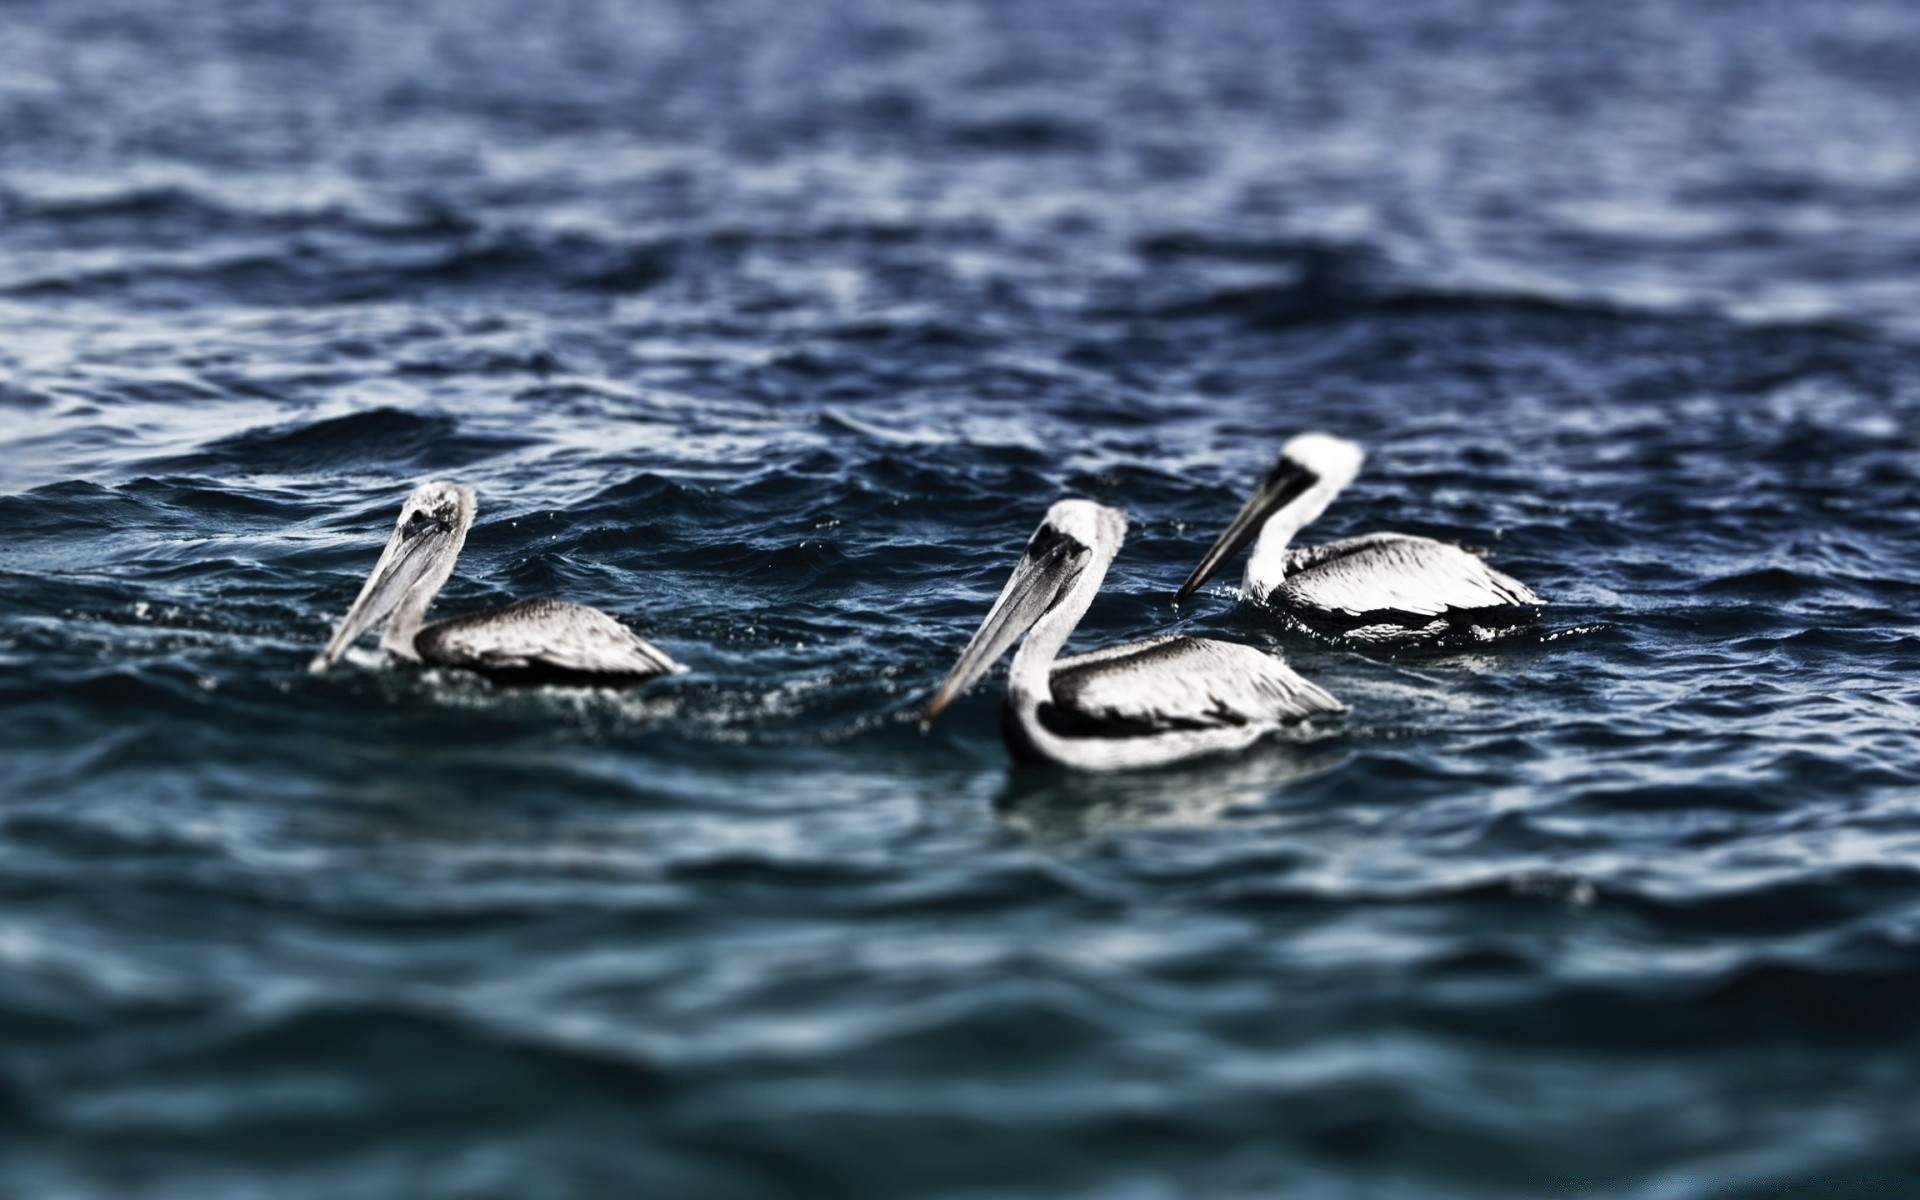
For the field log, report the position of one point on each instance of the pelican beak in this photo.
(415, 546)
(1284, 484)
(1053, 560)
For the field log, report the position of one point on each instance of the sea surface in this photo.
(772, 328)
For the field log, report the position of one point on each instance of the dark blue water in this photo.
(772, 328)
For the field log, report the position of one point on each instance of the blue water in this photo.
(773, 328)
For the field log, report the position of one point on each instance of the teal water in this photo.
(773, 330)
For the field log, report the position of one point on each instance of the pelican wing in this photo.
(542, 636)
(1396, 572)
(1171, 683)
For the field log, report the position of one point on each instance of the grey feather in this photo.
(1394, 573)
(1169, 683)
(542, 635)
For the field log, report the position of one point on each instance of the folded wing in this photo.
(1182, 683)
(1398, 573)
(542, 636)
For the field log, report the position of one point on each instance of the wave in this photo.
(380, 438)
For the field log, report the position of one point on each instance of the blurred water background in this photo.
(773, 328)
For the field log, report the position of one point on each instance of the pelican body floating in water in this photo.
(1140, 704)
(1375, 587)
(533, 641)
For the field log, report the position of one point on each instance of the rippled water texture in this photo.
(772, 328)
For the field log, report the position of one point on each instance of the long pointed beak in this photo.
(1281, 487)
(406, 558)
(1037, 583)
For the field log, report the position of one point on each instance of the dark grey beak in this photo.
(1048, 568)
(1284, 484)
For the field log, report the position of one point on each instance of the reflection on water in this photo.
(1055, 806)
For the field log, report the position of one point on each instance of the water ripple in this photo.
(771, 330)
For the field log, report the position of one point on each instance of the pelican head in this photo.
(1075, 536)
(412, 569)
(1311, 470)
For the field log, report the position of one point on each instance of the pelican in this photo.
(1141, 704)
(1375, 587)
(533, 641)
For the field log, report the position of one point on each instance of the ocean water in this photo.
(772, 329)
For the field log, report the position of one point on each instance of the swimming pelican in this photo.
(1375, 587)
(533, 641)
(1140, 704)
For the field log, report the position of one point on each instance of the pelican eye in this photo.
(1048, 540)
